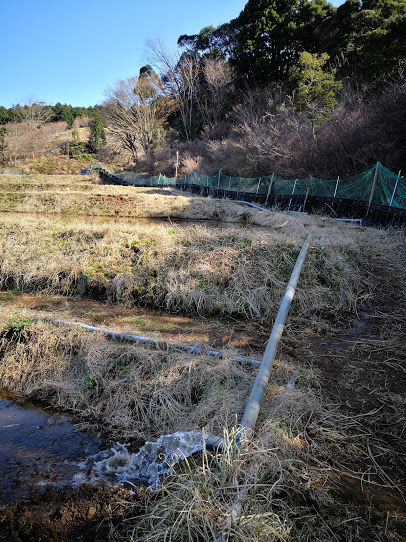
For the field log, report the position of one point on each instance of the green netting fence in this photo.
(377, 185)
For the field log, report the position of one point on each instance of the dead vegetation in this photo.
(193, 269)
(64, 194)
(313, 472)
(327, 461)
(128, 391)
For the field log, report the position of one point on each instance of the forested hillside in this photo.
(293, 86)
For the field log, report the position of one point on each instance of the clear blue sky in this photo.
(70, 51)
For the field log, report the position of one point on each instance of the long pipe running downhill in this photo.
(254, 402)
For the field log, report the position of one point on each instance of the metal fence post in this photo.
(259, 182)
(394, 190)
(293, 191)
(373, 188)
(335, 191)
(305, 199)
(269, 189)
(177, 165)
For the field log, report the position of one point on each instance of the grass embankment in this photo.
(305, 448)
(126, 390)
(74, 195)
(199, 270)
(55, 164)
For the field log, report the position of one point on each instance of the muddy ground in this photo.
(65, 514)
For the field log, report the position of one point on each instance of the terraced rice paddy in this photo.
(326, 461)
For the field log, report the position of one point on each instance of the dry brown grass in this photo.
(56, 164)
(197, 269)
(65, 194)
(281, 486)
(307, 444)
(125, 390)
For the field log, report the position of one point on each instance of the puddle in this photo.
(37, 449)
(40, 451)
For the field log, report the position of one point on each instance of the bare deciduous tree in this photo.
(213, 95)
(180, 73)
(136, 110)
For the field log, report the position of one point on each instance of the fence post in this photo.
(269, 188)
(259, 182)
(218, 182)
(177, 165)
(372, 188)
(293, 191)
(229, 182)
(335, 191)
(394, 190)
(239, 186)
(305, 200)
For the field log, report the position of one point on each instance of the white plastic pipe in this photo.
(151, 341)
(254, 403)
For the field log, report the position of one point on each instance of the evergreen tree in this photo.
(97, 137)
(372, 37)
(316, 88)
(273, 33)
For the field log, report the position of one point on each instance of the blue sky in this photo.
(70, 51)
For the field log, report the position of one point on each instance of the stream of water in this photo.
(39, 449)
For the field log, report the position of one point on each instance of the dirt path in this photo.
(246, 337)
(363, 375)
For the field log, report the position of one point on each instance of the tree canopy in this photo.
(268, 37)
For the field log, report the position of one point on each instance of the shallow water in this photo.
(37, 448)
(150, 464)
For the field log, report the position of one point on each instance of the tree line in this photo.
(270, 82)
(46, 113)
(297, 86)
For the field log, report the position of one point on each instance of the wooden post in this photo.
(177, 165)
(372, 188)
(269, 189)
(239, 186)
(335, 191)
(229, 182)
(218, 182)
(394, 190)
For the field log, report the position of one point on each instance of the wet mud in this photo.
(363, 371)
(39, 500)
